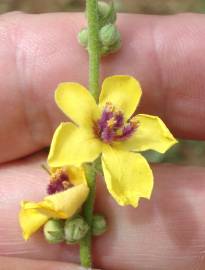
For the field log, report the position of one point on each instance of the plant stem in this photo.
(93, 47)
(94, 66)
(85, 244)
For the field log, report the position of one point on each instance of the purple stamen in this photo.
(112, 126)
(119, 120)
(102, 123)
(107, 135)
(63, 176)
(127, 132)
(55, 187)
(57, 183)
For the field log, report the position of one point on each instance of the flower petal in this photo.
(30, 219)
(59, 205)
(123, 92)
(127, 175)
(76, 102)
(73, 146)
(152, 134)
(65, 204)
(76, 175)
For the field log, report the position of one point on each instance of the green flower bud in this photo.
(54, 231)
(109, 35)
(75, 229)
(99, 225)
(103, 8)
(105, 51)
(107, 13)
(115, 47)
(83, 37)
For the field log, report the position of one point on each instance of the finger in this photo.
(166, 232)
(39, 51)
(8, 263)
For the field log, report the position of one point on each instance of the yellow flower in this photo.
(110, 129)
(60, 205)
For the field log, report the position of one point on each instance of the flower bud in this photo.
(109, 35)
(99, 225)
(115, 47)
(54, 231)
(107, 13)
(83, 37)
(75, 229)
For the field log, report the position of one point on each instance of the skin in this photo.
(166, 54)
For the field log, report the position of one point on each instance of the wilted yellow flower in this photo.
(61, 205)
(110, 129)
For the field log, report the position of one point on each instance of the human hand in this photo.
(166, 54)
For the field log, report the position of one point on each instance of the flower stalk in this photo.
(93, 46)
(85, 244)
(94, 67)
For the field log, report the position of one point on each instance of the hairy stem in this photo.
(94, 66)
(93, 47)
(85, 245)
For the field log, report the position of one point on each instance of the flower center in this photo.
(113, 127)
(59, 182)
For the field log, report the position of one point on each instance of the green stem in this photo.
(85, 244)
(93, 47)
(94, 66)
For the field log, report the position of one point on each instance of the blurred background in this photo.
(186, 152)
(140, 6)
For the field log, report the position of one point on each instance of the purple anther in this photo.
(107, 135)
(102, 123)
(127, 132)
(112, 126)
(56, 185)
(63, 176)
(119, 120)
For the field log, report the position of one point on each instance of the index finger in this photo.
(38, 51)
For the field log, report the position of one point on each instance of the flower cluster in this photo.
(110, 129)
(109, 36)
